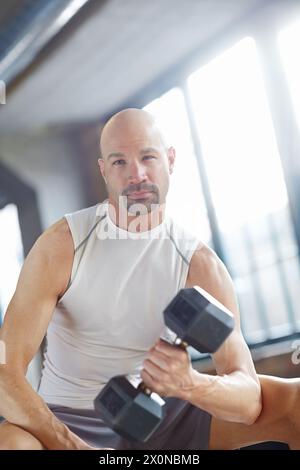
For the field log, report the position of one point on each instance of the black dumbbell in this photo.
(199, 321)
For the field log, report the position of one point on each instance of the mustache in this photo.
(140, 187)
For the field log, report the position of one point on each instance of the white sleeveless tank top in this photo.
(112, 312)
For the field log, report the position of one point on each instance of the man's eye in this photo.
(116, 162)
(149, 156)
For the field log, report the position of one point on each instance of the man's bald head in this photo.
(135, 159)
(129, 125)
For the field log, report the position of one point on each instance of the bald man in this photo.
(96, 282)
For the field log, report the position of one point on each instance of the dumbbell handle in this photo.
(143, 387)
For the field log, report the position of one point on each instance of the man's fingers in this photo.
(153, 369)
(148, 379)
(166, 348)
(161, 360)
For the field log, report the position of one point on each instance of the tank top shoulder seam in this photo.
(89, 234)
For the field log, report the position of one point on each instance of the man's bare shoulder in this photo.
(204, 264)
(59, 231)
(50, 258)
(56, 239)
(208, 271)
(53, 252)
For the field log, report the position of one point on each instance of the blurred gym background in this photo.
(222, 78)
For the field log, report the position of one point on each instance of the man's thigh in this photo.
(226, 435)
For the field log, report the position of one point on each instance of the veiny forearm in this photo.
(22, 406)
(233, 397)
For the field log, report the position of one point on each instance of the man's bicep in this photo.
(210, 273)
(42, 279)
(234, 355)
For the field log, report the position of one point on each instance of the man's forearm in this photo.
(22, 406)
(233, 397)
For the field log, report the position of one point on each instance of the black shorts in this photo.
(185, 427)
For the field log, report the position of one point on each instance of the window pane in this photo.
(185, 200)
(237, 136)
(289, 41)
(248, 189)
(11, 254)
(251, 323)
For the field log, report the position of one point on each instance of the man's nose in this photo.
(137, 172)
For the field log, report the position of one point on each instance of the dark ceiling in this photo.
(118, 49)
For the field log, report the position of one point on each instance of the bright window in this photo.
(185, 200)
(248, 189)
(11, 254)
(237, 137)
(289, 41)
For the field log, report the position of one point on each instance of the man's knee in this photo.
(14, 438)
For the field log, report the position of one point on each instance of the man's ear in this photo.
(101, 166)
(171, 157)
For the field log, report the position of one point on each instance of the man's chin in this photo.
(141, 208)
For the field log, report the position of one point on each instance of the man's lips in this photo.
(140, 194)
